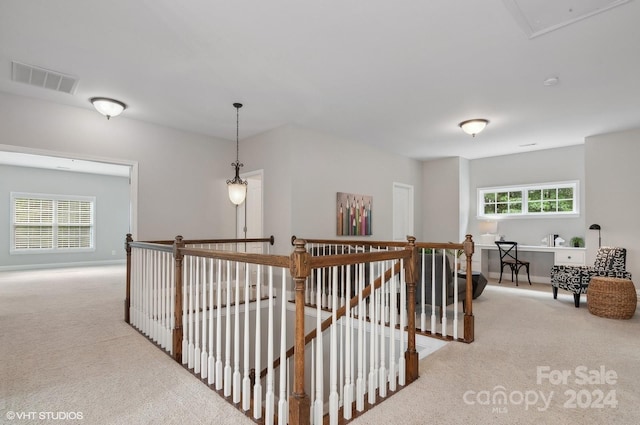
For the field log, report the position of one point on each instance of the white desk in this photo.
(561, 256)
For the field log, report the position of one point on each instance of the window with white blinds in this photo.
(52, 223)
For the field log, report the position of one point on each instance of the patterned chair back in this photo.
(611, 258)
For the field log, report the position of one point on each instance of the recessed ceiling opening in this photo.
(540, 17)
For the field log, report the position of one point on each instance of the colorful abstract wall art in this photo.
(353, 215)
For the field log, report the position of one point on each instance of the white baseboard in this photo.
(62, 265)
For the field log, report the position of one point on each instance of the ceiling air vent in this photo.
(43, 78)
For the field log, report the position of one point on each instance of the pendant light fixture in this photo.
(237, 186)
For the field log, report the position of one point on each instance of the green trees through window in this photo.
(539, 199)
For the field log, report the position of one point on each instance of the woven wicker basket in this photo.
(611, 297)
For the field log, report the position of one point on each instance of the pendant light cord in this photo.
(237, 133)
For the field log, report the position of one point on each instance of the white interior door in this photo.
(402, 211)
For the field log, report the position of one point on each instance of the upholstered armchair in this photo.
(610, 262)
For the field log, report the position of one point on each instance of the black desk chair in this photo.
(509, 257)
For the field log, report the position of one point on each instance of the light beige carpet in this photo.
(65, 352)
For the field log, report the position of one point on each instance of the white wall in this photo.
(270, 152)
(112, 213)
(613, 194)
(526, 168)
(182, 175)
(304, 170)
(444, 182)
(465, 199)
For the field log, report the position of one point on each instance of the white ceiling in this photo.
(399, 75)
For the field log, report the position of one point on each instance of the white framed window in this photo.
(43, 223)
(535, 200)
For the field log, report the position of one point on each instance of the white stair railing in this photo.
(360, 355)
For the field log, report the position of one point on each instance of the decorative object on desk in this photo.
(597, 227)
(551, 240)
(559, 241)
(488, 230)
(576, 242)
(353, 214)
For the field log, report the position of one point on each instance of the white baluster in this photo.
(282, 399)
(185, 312)
(423, 292)
(219, 376)
(347, 410)
(455, 295)
(172, 300)
(204, 355)
(433, 293)
(392, 337)
(147, 294)
(196, 324)
(319, 399)
(246, 381)
(227, 346)
(236, 340)
(257, 387)
(153, 290)
(382, 371)
(403, 323)
(210, 358)
(166, 301)
(157, 322)
(443, 307)
(360, 384)
(373, 376)
(312, 395)
(160, 300)
(333, 361)
(269, 395)
(190, 321)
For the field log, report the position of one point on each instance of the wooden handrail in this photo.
(242, 257)
(270, 239)
(151, 245)
(350, 242)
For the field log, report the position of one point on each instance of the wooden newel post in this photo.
(177, 316)
(411, 355)
(468, 301)
(127, 299)
(300, 269)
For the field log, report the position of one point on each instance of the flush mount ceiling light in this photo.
(551, 81)
(237, 186)
(108, 107)
(473, 126)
